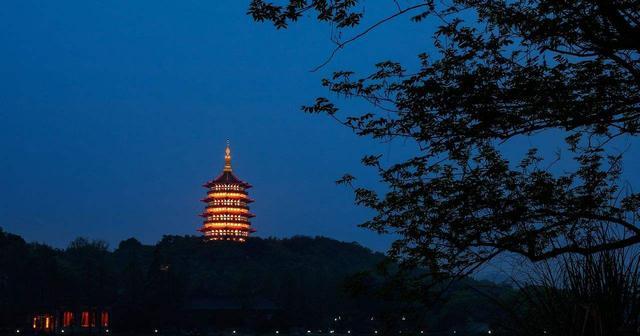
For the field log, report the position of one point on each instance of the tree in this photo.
(93, 277)
(501, 70)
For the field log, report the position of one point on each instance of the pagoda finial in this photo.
(227, 158)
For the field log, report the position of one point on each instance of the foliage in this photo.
(151, 286)
(592, 295)
(501, 70)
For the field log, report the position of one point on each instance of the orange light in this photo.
(227, 195)
(67, 319)
(227, 209)
(227, 187)
(104, 319)
(226, 215)
(224, 225)
(226, 232)
(84, 319)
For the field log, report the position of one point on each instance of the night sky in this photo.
(114, 113)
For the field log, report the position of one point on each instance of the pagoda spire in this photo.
(227, 158)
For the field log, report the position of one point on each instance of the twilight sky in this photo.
(113, 114)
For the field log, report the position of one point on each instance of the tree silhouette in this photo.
(501, 70)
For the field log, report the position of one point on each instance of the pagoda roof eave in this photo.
(232, 206)
(246, 200)
(203, 229)
(244, 229)
(222, 222)
(207, 214)
(210, 184)
(227, 177)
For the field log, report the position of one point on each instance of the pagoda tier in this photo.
(230, 196)
(233, 218)
(226, 215)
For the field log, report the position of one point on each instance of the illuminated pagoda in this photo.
(227, 215)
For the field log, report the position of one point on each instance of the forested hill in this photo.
(302, 279)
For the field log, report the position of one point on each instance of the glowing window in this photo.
(104, 319)
(67, 319)
(84, 319)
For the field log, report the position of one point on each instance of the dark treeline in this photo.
(302, 280)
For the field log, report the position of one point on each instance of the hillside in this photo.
(300, 280)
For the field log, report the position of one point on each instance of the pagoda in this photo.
(227, 215)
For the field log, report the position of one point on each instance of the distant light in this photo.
(371, 318)
(454, 331)
(308, 331)
(331, 331)
(155, 331)
(348, 331)
(489, 332)
(277, 331)
(375, 331)
(234, 331)
(422, 331)
(404, 318)
(335, 319)
(107, 331)
(18, 331)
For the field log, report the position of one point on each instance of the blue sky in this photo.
(113, 114)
